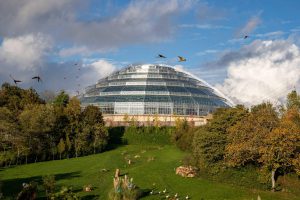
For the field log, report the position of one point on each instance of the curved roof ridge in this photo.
(207, 84)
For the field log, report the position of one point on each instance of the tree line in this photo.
(33, 130)
(262, 136)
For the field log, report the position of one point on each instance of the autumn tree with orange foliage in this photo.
(248, 135)
(281, 146)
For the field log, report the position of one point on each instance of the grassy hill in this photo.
(153, 167)
(154, 160)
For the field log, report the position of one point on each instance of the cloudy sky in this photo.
(73, 43)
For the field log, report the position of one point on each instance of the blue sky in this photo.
(48, 37)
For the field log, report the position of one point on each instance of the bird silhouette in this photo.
(246, 36)
(15, 81)
(77, 92)
(38, 78)
(181, 59)
(161, 56)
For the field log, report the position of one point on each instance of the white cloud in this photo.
(23, 54)
(138, 22)
(103, 68)
(261, 71)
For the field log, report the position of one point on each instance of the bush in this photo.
(49, 185)
(147, 135)
(65, 193)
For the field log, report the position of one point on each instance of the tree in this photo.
(209, 141)
(183, 134)
(293, 100)
(94, 132)
(61, 147)
(281, 146)
(16, 99)
(247, 136)
(62, 99)
(49, 185)
(100, 137)
(73, 113)
(12, 143)
(37, 122)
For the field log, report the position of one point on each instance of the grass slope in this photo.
(158, 173)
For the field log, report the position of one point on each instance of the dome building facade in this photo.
(153, 90)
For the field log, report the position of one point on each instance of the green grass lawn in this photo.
(147, 174)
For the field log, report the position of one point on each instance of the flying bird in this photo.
(161, 56)
(16, 81)
(38, 78)
(181, 59)
(76, 64)
(246, 36)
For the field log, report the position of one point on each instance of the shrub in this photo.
(49, 185)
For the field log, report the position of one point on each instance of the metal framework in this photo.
(153, 89)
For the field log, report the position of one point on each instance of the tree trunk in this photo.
(59, 156)
(26, 157)
(94, 148)
(273, 180)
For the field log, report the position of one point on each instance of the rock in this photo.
(186, 171)
(88, 188)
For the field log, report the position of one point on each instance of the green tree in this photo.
(93, 128)
(49, 185)
(61, 147)
(62, 99)
(293, 100)
(37, 122)
(209, 141)
(74, 129)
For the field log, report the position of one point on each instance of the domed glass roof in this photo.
(153, 89)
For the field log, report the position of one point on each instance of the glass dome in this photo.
(153, 89)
